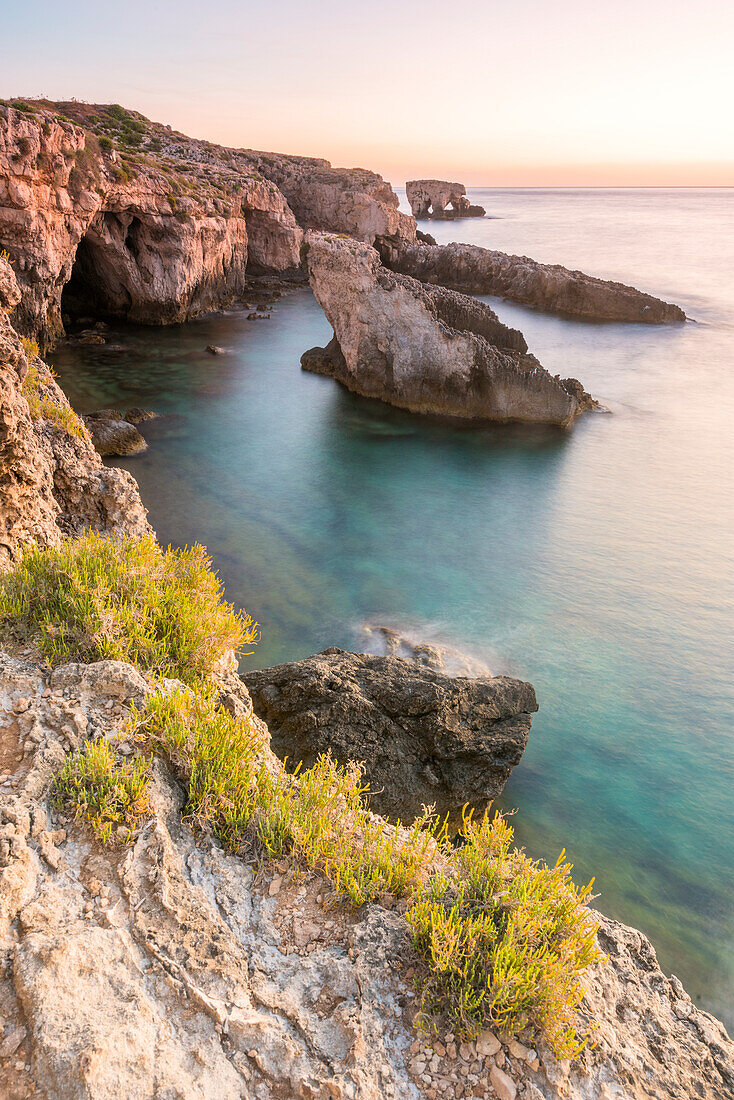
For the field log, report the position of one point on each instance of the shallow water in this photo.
(599, 563)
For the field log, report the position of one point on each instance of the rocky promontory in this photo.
(440, 199)
(424, 348)
(548, 287)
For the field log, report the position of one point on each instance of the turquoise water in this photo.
(599, 564)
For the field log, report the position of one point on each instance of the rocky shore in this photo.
(440, 199)
(158, 960)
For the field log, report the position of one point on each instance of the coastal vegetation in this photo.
(40, 405)
(502, 940)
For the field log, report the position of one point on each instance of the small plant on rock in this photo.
(112, 795)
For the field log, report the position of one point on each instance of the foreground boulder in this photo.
(172, 968)
(425, 348)
(424, 738)
(432, 198)
(548, 287)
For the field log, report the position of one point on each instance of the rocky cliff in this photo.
(105, 212)
(52, 481)
(547, 287)
(172, 968)
(426, 349)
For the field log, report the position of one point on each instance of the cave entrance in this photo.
(97, 285)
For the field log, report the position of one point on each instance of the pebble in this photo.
(502, 1084)
(487, 1044)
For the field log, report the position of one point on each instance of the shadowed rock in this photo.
(424, 738)
(425, 348)
(112, 434)
(547, 287)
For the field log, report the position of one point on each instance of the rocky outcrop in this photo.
(422, 347)
(432, 198)
(52, 481)
(173, 968)
(154, 235)
(424, 738)
(548, 287)
(342, 200)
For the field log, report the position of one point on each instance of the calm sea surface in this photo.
(599, 563)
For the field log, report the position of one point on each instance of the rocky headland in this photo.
(424, 348)
(547, 287)
(440, 199)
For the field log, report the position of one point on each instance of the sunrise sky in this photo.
(496, 92)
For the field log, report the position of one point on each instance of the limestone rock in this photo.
(52, 483)
(548, 287)
(424, 348)
(120, 240)
(432, 199)
(170, 968)
(424, 738)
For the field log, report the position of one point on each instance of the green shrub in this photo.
(95, 598)
(504, 940)
(111, 795)
(315, 816)
(106, 143)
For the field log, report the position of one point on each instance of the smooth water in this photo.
(598, 563)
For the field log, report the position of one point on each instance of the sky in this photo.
(489, 92)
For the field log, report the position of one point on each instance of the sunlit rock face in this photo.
(91, 231)
(440, 199)
(52, 482)
(425, 348)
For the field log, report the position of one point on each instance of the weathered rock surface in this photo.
(113, 434)
(422, 347)
(52, 483)
(423, 738)
(432, 199)
(172, 969)
(156, 239)
(547, 287)
(342, 200)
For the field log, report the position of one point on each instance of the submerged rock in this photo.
(114, 435)
(432, 199)
(422, 347)
(423, 737)
(547, 287)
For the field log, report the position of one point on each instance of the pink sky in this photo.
(503, 92)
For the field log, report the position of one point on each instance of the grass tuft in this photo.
(94, 598)
(315, 816)
(40, 405)
(111, 795)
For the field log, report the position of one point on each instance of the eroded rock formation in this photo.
(52, 481)
(432, 199)
(172, 968)
(148, 238)
(424, 348)
(424, 738)
(547, 287)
